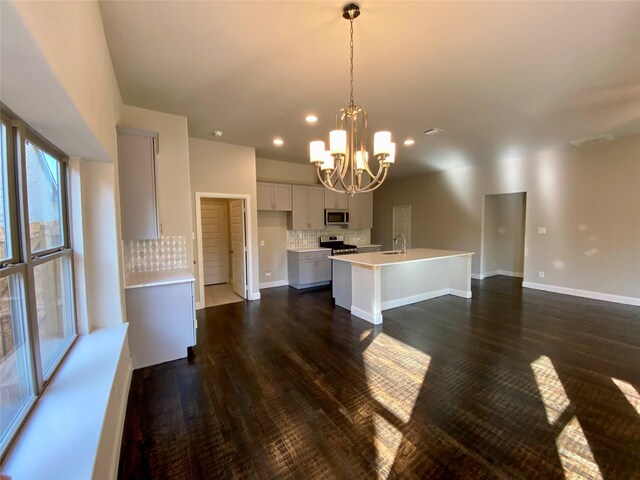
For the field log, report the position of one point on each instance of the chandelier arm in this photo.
(368, 188)
(326, 185)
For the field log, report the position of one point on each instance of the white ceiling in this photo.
(503, 79)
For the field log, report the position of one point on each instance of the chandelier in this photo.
(344, 168)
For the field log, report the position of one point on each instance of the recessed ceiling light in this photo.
(278, 141)
(433, 131)
(311, 119)
(216, 133)
(409, 141)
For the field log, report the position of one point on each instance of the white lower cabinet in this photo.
(309, 269)
(161, 322)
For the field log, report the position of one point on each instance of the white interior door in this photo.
(238, 254)
(402, 223)
(215, 241)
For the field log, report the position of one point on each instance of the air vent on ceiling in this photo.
(433, 131)
(591, 140)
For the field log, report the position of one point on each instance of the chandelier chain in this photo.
(351, 63)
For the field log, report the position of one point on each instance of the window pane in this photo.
(45, 199)
(5, 219)
(15, 383)
(54, 302)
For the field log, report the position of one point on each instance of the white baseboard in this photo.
(482, 276)
(254, 296)
(277, 283)
(511, 274)
(607, 297)
(460, 293)
(375, 319)
(399, 302)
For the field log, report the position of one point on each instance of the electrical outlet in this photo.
(542, 230)
(541, 274)
(262, 243)
(268, 274)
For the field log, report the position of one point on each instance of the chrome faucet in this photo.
(404, 242)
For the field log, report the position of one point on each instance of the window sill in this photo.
(68, 434)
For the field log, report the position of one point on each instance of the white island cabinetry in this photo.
(368, 283)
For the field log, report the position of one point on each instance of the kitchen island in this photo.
(368, 283)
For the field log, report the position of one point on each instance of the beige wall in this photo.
(504, 228)
(272, 230)
(587, 198)
(287, 172)
(172, 169)
(225, 169)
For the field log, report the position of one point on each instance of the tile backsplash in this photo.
(164, 253)
(311, 238)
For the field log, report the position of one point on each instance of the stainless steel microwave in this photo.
(336, 217)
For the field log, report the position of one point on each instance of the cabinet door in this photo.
(307, 272)
(300, 208)
(137, 170)
(361, 210)
(265, 196)
(333, 200)
(323, 270)
(341, 200)
(282, 197)
(366, 210)
(354, 211)
(316, 207)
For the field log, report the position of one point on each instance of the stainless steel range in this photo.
(337, 245)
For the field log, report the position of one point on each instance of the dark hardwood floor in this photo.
(514, 383)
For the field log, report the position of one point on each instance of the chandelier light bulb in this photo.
(360, 159)
(382, 143)
(392, 154)
(338, 142)
(328, 161)
(316, 151)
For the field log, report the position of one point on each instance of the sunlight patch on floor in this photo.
(573, 449)
(630, 392)
(395, 373)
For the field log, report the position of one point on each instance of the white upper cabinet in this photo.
(274, 196)
(308, 208)
(361, 210)
(138, 191)
(335, 201)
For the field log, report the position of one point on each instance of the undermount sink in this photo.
(391, 253)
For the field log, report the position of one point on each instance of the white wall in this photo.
(172, 169)
(56, 64)
(587, 198)
(226, 169)
(58, 77)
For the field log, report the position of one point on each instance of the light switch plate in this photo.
(542, 230)
(262, 243)
(541, 274)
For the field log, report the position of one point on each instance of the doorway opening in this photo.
(503, 235)
(222, 251)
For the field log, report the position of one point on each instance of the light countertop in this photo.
(312, 249)
(379, 259)
(369, 245)
(161, 277)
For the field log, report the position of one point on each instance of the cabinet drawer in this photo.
(307, 255)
